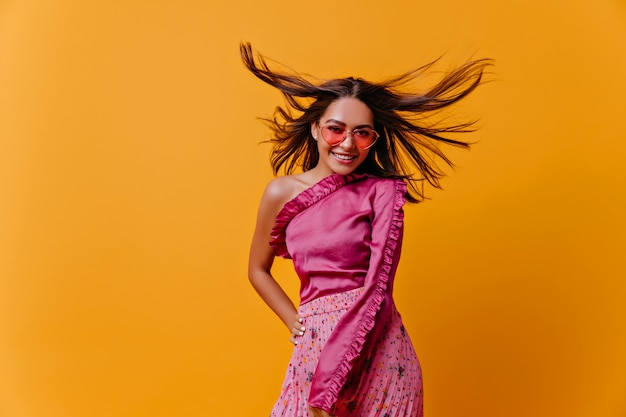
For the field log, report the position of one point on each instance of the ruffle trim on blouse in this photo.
(338, 380)
(302, 201)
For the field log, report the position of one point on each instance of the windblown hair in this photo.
(409, 140)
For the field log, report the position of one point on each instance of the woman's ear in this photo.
(314, 130)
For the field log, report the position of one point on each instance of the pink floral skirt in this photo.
(391, 383)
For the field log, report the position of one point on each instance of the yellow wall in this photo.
(130, 174)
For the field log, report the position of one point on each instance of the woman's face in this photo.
(348, 113)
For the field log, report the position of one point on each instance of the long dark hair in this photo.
(408, 137)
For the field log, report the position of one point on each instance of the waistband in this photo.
(330, 303)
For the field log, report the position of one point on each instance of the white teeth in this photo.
(344, 157)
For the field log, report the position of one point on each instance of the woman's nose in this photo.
(348, 142)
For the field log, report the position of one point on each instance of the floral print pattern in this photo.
(390, 377)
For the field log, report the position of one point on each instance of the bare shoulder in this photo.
(280, 190)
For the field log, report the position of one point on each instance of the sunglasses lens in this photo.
(333, 135)
(364, 138)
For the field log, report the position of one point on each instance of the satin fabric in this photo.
(343, 233)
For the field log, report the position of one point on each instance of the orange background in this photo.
(130, 172)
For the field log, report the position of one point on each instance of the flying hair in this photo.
(411, 144)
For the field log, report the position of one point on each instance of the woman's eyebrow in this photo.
(343, 124)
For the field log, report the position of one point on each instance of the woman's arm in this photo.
(262, 257)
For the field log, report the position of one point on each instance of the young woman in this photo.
(363, 149)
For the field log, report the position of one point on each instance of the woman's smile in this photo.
(343, 157)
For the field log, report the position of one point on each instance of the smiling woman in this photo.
(342, 151)
(341, 221)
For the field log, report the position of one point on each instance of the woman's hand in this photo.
(297, 329)
(318, 412)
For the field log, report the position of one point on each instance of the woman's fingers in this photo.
(297, 330)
